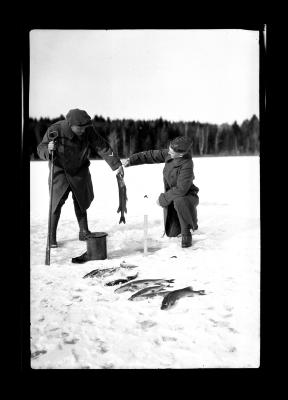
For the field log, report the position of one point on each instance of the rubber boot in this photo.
(82, 222)
(186, 239)
(81, 259)
(83, 225)
(54, 223)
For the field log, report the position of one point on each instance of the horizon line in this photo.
(150, 119)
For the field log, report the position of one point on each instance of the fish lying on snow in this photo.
(150, 295)
(124, 264)
(101, 272)
(175, 295)
(141, 284)
(109, 271)
(143, 293)
(121, 280)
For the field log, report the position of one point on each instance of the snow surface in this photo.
(81, 323)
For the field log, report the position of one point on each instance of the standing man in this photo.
(75, 137)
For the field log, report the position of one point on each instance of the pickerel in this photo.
(146, 291)
(121, 280)
(141, 284)
(101, 272)
(150, 295)
(109, 271)
(122, 197)
(175, 295)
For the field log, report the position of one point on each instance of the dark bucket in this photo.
(96, 246)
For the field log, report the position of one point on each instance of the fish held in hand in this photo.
(141, 284)
(171, 298)
(122, 197)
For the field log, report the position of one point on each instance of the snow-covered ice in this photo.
(81, 323)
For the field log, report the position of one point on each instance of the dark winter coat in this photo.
(178, 178)
(71, 165)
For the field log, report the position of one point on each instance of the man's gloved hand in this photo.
(127, 163)
(120, 171)
(51, 146)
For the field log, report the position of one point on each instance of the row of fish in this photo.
(149, 288)
(145, 288)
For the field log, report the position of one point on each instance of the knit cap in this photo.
(181, 144)
(78, 117)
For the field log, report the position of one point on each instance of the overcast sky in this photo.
(201, 75)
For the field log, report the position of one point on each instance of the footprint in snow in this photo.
(78, 298)
(233, 330)
(147, 324)
(38, 353)
(44, 303)
(228, 315)
(71, 341)
(169, 339)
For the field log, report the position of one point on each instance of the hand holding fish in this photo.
(127, 163)
(120, 171)
(51, 146)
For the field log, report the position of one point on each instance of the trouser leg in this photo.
(54, 223)
(55, 219)
(172, 224)
(194, 213)
(184, 214)
(82, 220)
(187, 216)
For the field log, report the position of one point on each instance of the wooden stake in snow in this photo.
(145, 225)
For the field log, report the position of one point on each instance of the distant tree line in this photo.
(127, 136)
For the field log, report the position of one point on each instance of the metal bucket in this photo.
(96, 246)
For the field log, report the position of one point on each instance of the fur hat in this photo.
(181, 144)
(78, 117)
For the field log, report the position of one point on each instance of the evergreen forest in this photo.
(128, 136)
